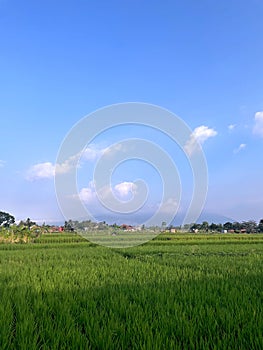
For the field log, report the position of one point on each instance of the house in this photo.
(53, 229)
(172, 230)
(127, 227)
(194, 230)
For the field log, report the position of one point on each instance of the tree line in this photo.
(251, 226)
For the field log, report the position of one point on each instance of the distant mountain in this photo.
(139, 219)
(205, 216)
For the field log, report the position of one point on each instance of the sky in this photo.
(63, 60)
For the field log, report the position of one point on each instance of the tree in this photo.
(68, 225)
(249, 226)
(29, 223)
(237, 226)
(213, 227)
(6, 219)
(187, 227)
(195, 227)
(205, 226)
(228, 226)
(260, 226)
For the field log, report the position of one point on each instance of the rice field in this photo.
(174, 292)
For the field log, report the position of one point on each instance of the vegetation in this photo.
(6, 219)
(245, 226)
(178, 291)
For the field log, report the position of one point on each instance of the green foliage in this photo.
(186, 292)
(6, 219)
(20, 233)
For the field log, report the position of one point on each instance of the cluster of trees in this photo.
(27, 223)
(245, 226)
(72, 225)
(250, 226)
(10, 232)
(7, 220)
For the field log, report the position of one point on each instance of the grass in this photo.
(175, 292)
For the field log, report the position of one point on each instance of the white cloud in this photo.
(169, 206)
(91, 153)
(2, 163)
(240, 148)
(202, 133)
(258, 124)
(47, 170)
(41, 171)
(197, 138)
(124, 189)
(113, 149)
(231, 127)
(87, 194)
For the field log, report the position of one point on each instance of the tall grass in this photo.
(177, 293)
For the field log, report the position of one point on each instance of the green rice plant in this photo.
(185, 293)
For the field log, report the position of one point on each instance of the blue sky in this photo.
(62, 60)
